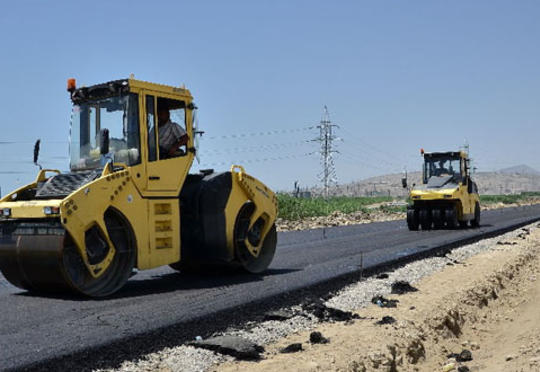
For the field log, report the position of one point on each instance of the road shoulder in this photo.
(470, 305)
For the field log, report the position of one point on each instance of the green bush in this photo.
(509, 199)
(291, 208)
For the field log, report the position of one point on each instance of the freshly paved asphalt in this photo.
(34, 328)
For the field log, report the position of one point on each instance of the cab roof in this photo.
(453, 154)
(123, 86)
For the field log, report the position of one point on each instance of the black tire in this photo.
(462, 224)
(476, 221)
(412, 219)
(450, 215)
(438, 218)
(247, 261)
(425, 218)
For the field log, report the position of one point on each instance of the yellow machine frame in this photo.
(462, 197)
(146, 194)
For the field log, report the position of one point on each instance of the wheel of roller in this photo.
(438, 218)
(119, 269)
(425, 218)
(450, 215)
(248, 262)
(476, 221)
(412, 219)
(47, 260)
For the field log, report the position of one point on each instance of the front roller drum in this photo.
(34, 262)
(42, 257)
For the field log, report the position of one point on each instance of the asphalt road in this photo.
(33, 328)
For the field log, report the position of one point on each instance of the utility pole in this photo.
(325, 139)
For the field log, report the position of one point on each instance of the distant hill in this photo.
(513, 180)
(520, 169)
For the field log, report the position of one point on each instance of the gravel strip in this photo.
(359, 295)
(352, 297)
(181, 358)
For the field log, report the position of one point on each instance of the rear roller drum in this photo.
(248, 262)
(425, 218)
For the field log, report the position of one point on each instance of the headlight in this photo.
(6, 212)
(51, 210)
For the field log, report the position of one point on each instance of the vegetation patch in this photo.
(291, 208)
(510, 199)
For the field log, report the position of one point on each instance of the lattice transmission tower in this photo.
(326, 139)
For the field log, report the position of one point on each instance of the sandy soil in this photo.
(488, 305)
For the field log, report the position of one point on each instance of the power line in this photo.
(261, 160)
(355, 159)
(373, 156)
(353, 138)
(255, 134)
(265, 147)
(31, 142)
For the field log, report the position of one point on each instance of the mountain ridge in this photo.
(511, 180)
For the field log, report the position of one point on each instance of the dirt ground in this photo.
(488, 305)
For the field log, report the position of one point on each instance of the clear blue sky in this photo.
(395, 75)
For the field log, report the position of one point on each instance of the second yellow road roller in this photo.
(447, 197)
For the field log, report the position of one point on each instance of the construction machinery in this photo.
(447, 196)
(128, 203)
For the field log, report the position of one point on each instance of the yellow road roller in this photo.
(129, 201)
(447, 197)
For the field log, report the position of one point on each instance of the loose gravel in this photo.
(352, 297)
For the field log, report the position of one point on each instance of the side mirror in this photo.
(104, 141)
(404, 183)
(36, 153)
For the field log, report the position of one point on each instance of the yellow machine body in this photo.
(150, 199)
(447, 197)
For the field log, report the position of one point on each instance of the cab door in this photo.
(165, 174)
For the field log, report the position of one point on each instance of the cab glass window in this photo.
(171, 128)
(150, 126)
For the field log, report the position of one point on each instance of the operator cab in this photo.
(441, 169)
(131, 123)
(113, 107)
